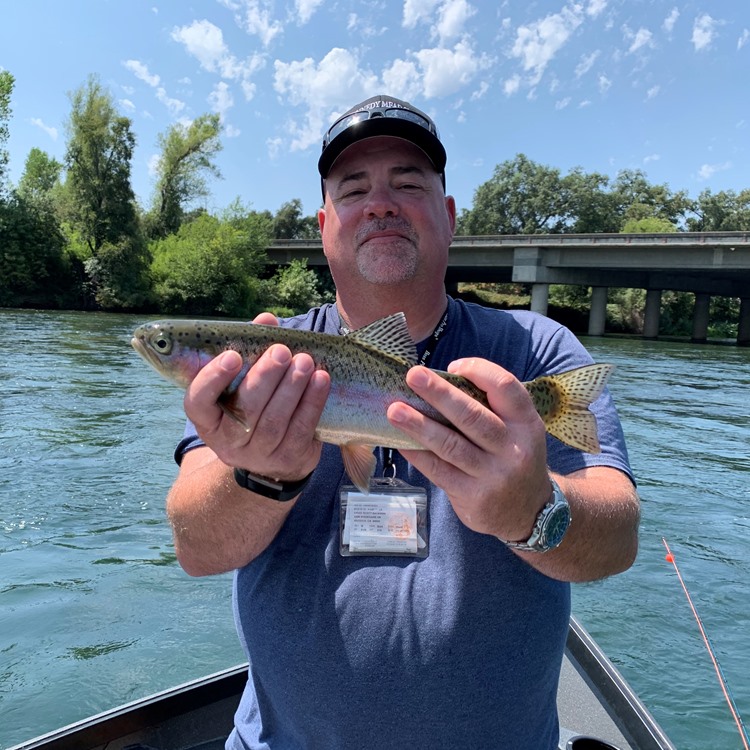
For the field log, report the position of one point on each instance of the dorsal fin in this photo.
(390, 336)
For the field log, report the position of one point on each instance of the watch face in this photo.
(556, 525)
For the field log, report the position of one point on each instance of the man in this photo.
(459, 647)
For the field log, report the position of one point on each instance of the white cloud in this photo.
(305, 10)
(447, 17)
(604, 84)
(653, 92)
(274, 146)
(175, 106)
(230, 131)
(418, 10)
(153, 164)
(562, 103)
(127, 105)
(671, 20)
(452, 18)
(403, 79)
(538, 42)
(595, 7)
(709, 170)
(704, 32)
(445, 71)
(254, 17)
(651, 157)
(484, 87)
(642, 38)
(48, 129)
(139, 70)
(205, 41)
(221, 99)
(584, 103)
(742, 41)
(326, 89)
(587, 62)
(511, 85)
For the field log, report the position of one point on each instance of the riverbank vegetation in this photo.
(74, 236)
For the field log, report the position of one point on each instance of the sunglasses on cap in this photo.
(367, 114)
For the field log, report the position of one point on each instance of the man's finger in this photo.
(203, 393)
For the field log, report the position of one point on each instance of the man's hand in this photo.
(493, 465)
(280, 400)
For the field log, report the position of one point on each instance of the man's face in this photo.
(386, 214)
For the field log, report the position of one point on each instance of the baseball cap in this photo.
(382, 115)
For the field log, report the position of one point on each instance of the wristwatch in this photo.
(550, 525)
(281, 491)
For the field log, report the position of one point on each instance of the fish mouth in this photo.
(146, 352)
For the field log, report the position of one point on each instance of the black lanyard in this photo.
(423, 361)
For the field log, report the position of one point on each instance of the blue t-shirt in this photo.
(460, 649)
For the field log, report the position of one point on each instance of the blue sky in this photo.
(601, 84)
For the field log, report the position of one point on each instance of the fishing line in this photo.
(719, 672)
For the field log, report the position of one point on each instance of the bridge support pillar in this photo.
(653, 310)
(539, 298)
(598, 312)
(700, 318)
(743, 329)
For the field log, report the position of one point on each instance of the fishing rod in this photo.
(719, 672)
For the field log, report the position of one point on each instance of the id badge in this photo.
(391, 520)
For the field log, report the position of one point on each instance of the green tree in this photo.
(34, 269)
(41, 176)
(295, 288)
(521, 197)
(289, 224)
(244, 218)
(637, 199)
(99, 202)
(725, 211)
(7, 82)
(187, 155)
(210, 267)
(648, 225)
(100, 148)
(592, 207)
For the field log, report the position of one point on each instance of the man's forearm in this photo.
(603, 537)
(217, 525)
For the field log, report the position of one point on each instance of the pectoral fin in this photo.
(359, 463)
(228, 404)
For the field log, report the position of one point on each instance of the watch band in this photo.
(281, 491)
(550, 526)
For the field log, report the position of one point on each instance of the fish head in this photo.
(170, 349)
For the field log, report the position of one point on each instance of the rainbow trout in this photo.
(368, 369)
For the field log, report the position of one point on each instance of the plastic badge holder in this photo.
(389, 521)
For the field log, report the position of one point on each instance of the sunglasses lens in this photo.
(344, 123)
(405, 114)
(402, 114)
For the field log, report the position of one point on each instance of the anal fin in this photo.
(359, 462)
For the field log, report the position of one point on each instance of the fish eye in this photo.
(161, 342)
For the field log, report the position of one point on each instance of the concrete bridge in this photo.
(705, 263)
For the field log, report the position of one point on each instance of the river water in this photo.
(95, 611)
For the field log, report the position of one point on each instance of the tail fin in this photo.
(563, 402)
